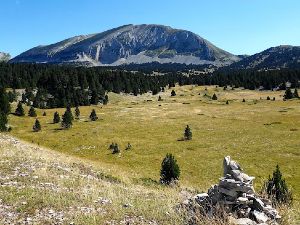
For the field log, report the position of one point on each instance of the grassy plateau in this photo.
(257, 133)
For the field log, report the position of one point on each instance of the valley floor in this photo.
(81, 181)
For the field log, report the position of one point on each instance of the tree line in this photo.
(54, 86)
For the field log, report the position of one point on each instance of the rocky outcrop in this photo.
(236, 196)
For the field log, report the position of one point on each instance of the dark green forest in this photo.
(51, 86)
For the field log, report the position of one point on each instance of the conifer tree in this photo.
(268, 98)
(244, 100)
(105, 101)
(32, 112)
(277, 188)
(173, 93)
(227, 102)
(188, 133)
(288, 94)
(19, 110)
(37, 126)
(44, 114)
(93, 115)
(67, 119)
(3, 121)
(296, 95)
(159, 98)
(170, 170)
(4, 103)
(214, 97)
(56, 117)
(77, 112)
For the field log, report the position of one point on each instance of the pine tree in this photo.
(105, 101)
(188, 133)
(70, 111)
(56, 117)
(173, 93)
(268, 98)
(296, 95)
(67, 119)
(93, 115)
(77, 112)
(227, 102)
(3, 121)
(4, 103)
(274, 98)
(288, 94)
(169, 170)
(159, 98)
(214, 97)
(37, 126)
(114, 147)
(19, 110)
(244, 100)
(32, 112)
(44, 114)
(277, 188)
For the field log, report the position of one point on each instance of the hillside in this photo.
(136, 44)
(284, 56)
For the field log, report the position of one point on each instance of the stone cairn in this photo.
(236, 196)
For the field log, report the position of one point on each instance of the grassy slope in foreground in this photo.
(258, 134)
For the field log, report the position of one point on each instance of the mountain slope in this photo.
(131, 44)
(4, 57)
(284, 56)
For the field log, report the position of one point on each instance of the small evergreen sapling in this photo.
(19, 110)
(173, 93)
(77, 112)
(37, 126)
(56, 117)
(44, 114)
(170, 170)
(114, 148)
(93, 115)
(32, 112)
(214, 97)
(159, 98)
(188, 133)
(277, 189)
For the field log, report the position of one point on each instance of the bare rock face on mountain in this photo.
(4, 57)
(236, 196)
(135, 44)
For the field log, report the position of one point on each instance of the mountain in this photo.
(136, 44)
(284, 56)
(4, 57)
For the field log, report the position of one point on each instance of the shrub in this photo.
(268, 98)
(37, 126)
(169, 170)
(277, 190)
(173, 93)
(214, 97)
(44, 114)
(159, 98)
(244, 100)
(114, 147)
(32, 112)
(188, 133)
(93, 115)
(227, 102)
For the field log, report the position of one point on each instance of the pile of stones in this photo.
(235, 195)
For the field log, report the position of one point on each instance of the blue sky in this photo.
(238, 26)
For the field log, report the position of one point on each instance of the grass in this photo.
(259, 134)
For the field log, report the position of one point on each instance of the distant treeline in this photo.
(59, 86)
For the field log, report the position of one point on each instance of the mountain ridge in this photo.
(131, 44)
